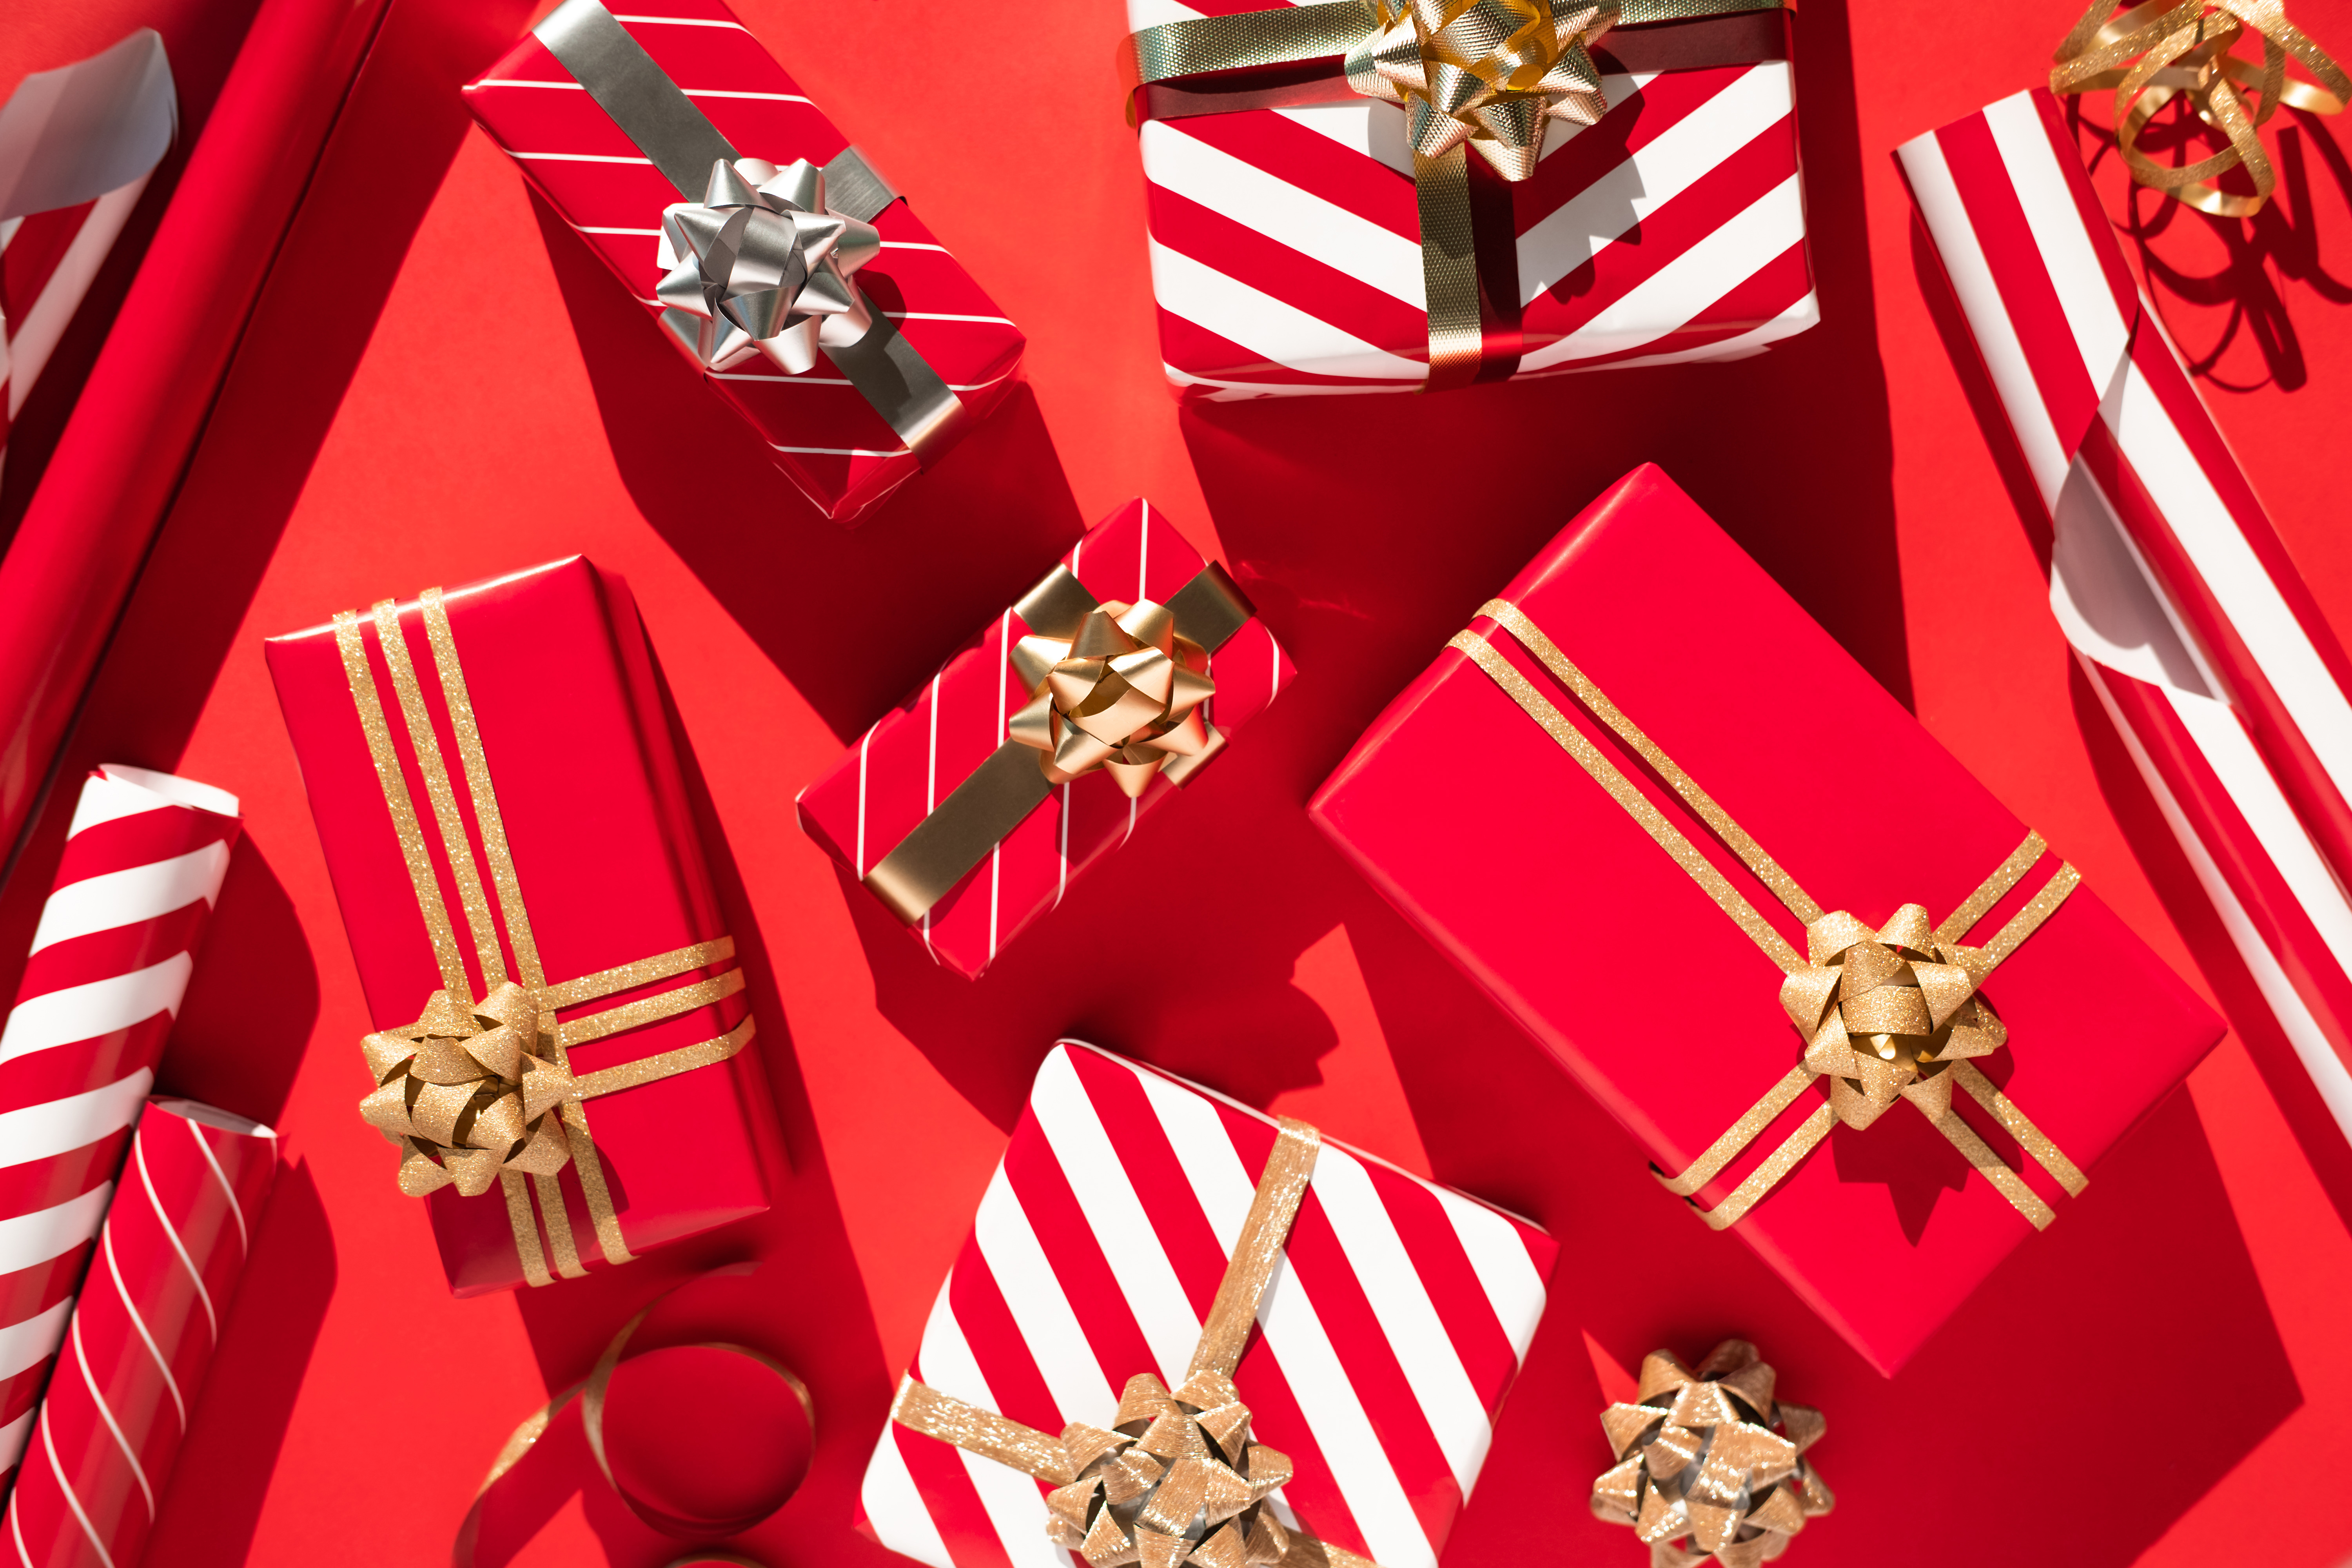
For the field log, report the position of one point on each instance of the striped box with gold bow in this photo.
(1181, 1325)
(1036, 750)
(558, 1057)
(1852, 1008)
(1363, 195)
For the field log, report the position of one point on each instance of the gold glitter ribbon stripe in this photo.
(458, 849)
(1753, 1124)
(1257, 1252)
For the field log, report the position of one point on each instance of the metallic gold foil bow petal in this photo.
(1699, 1461)
(1885, 1014)
(1176, 1477)
(2152, 53)
(766, 266)
(1122, 692)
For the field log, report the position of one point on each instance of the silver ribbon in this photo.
(762, 261)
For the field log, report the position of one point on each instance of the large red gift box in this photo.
(1481, 826)
(821, 429)
(583, 778)
(909, 765)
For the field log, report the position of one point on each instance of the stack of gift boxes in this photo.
(1183, 1330)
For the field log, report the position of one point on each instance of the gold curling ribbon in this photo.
(1176, 1477)
(1885, 1014)
(1483, 76)
(1698, 1461)
(2155, 52)
(477, 1093)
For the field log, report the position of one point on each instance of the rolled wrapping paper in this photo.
(143, 860)
(2187, 614)
(141, 1338)
(76, 145)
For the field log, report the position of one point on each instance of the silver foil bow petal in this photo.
(762, 265)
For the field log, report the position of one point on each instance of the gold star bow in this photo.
(1490, 73)
(1122, 693)
(1175, 1479)
(464, 1093)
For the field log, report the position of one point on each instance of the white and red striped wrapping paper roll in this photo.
(2200, 638)
(140, 1340)
(1394, 1326)
(143, 860)
(1285, 243)
(77, 146)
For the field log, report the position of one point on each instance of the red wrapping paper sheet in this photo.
(587, 782)
(1469, 818)
(165, 1275)
(915, 755)
(823, 432)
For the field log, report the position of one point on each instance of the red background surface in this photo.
(440, 383)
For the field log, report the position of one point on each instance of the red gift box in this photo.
(584, 786)
(906, 771)
(1483, 829)
(821, 429)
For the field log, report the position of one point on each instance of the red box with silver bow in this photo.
(965, 831)
(1389, 1322)
(1698, 853)
(826, 314)
(1640, 205)
(559, 1057)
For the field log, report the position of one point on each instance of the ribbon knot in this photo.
(1490, 73)
(1175, 1479)
(1698, 1461)
(466, 1092)
(1884, 1013)
(1122, 693)
(767, 266)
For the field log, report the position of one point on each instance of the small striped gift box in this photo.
(144, 861)
(1391, 1329)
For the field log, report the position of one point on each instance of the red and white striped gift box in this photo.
(110, 959)
(1285, 243)
(141, 1338)
(915, 756)
(1392, 1330)
(2202, 639)
(821, 430)
(76, 145)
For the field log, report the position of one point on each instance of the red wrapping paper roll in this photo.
(141, 1338)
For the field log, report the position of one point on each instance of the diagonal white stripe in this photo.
(12, 1448)
(1285, 334)
(2102, 334)
(895, 1508)
(134, 894)
(1500, 1260)
(1040, 1310)
(33, 1341)
(86, 1012)
(57, 1126)
(106, 1414)
(27, 1239)
(1009, 1497)
(1802, 316)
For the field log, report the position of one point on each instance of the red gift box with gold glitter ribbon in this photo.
(1755, 907)
(497, 792)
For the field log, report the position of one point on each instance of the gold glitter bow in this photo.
(1122, 693)
(1176, 1477)
(2155, 52)
(766, 267)
(1489, 74)
(479, 1094)
(1906, 993)
(1698, 1461)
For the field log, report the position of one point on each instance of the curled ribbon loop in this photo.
(1122, 693)
(2152, 53)
(766, 266)
(466, 1093)
(1699, 1460)
(1489, 73)
(1885, 1014)
(1176, 1474)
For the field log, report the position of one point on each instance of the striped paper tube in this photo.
(1392, 1332)
(1285, 243)
(2203, 642)
(76, 145)
(140, 1338)
(144, 861)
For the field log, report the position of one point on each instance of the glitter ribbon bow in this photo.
(766, 266)
(1487, 73)
(1698, 1461)
(464, 1094)
(1122, 693)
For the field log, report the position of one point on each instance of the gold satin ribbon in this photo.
(1886, 1014)
(1699, 1459)
(2155, 52)
(1487, 76)
(482, 1092)
(1176, 1477)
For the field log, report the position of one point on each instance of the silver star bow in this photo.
(763, 266)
